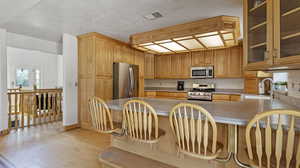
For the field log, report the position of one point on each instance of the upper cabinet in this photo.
(258, 37)
(287, 32)
(271, 34)
(149, 66)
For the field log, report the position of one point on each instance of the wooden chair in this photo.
(101, 116)
(141, 122)
(271, 139)
(192, 126)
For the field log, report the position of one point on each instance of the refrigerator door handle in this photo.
(131, 79)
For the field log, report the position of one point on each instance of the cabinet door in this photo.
(86, 57)
(198, 58)
(221, 63)
(86, 90)
(287, 32)
(149, 66)
(186, 65)
(251, 85)
(258, 36)
(104, 54)
(104, 88)
(162, 66)
(176, 68)
(235, 62)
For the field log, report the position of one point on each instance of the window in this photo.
(28, 78)
(22, 77)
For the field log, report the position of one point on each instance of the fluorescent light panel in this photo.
(212, 41)
(183, 38)
(173, 46)
(191, 44)
(157, 48)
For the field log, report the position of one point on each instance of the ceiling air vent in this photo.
(153, 16)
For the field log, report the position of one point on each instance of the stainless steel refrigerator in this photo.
(125, 80)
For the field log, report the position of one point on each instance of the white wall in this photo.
(220, 83)
(31, 43)
(23, 58)
(60, 71)
(3, 82)
(70, 111)
(294, 83)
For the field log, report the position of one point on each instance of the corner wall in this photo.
(3, 82)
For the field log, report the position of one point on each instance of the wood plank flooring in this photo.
(48, 146)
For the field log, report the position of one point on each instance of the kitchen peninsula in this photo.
(231, 119)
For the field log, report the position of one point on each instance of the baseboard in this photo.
(71, 127)
(4, 132)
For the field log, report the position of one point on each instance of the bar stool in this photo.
(141, 122)
(101, 116)
(271, 140)
(192, 126)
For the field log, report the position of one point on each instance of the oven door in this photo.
(199, 72)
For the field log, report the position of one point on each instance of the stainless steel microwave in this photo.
(202, 72)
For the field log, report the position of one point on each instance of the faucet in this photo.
(272, 86)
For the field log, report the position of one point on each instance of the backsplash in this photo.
(220, 83)
(294, 83)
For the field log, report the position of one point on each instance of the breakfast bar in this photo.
(231, 119)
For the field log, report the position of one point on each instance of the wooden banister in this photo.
(31, 107)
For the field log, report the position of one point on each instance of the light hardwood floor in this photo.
(49, 146)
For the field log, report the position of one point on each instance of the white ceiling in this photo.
(48, 19)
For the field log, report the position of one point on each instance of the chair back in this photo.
(271, 139)
(141, 121)
(192, 126)
(100, 115)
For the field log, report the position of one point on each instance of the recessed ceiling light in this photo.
(153, 16)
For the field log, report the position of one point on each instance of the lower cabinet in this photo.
(226, 97)
(166, 95)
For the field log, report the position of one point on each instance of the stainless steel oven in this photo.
(202, 72)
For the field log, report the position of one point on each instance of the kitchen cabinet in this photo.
(286, 32)
(174, 66)
(227, 62)
(251, 85)
(226, 97)
(162, 66)
(202, 58)
(149, 66)
(96, 54)
(235, 62)
(258, 38)
(221, 65)
(166, 95)
(272, 34)
(103, 88)
(180, 66)
(104, 55)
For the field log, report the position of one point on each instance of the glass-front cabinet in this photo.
(286, 32)
(257, 25)
(271, 33)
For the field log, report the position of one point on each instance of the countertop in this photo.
(238, 113)
(218, 91)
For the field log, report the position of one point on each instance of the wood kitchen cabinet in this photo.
(221, 63)
(162, 66)
(166, 95)
(286, 32)
(202, 58)
(226, 97)
(104, 55)
(173, 66)
(227, 62)
(149, 66)
(272, 34)
(96, 54)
